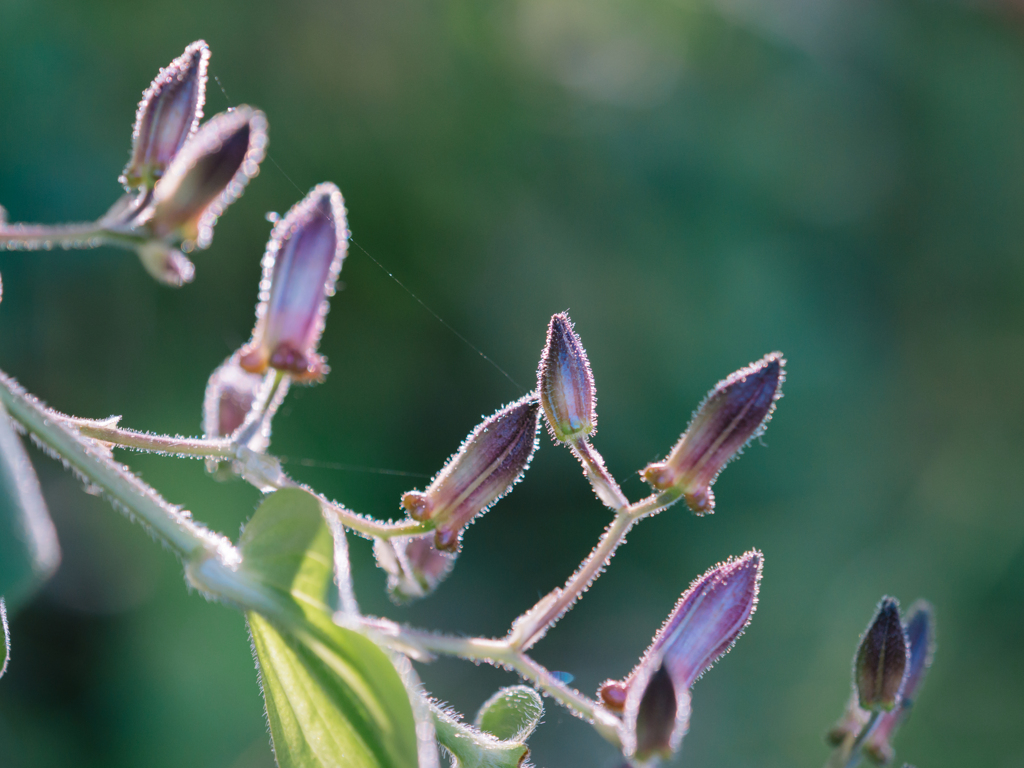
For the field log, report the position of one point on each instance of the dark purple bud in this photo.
(168, 116)
(732, 414)
(230, 395)
(656, 717)
(702, 627)
(881, 662)
(491, 460)
(300, 268)
(708, 619)
(166, 263)
(414, 564)
(207, 175)
(920, 630)
(566, 384)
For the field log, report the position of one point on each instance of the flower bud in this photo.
(732, 414)
(920, 630)
(168, 116)
(207, 175)
(881, 659)
(230, 394)
(300, 268)
(565, 383)
(656, 717)
(166, 263)
(702, 627)
(415, 566)
(491, 460)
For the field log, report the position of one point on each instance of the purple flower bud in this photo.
(168, 116)
(881, 662)
(300, 268)
(566, 384)
(166, 263)
(704, 625)
(207, 175)
(920, 630)
(230, 395)
(733, 413)
(656, 717)
(415, 566)
(491, 460)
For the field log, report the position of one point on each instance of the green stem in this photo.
(500, 653)
(165, 444)
(531, 626)
(605, 487)
(172, 525)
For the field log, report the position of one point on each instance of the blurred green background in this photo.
(699, 182)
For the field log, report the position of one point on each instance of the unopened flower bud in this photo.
(733, 413)
(702, 627)
(491, 460)
(167, 116)
(208, 174)
(414, 565)
(656, 717)
(881, 659)
(300, 268)
(565, 383)
(920, 630)
(166, 263)
(230, 395)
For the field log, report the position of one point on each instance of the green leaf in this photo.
(29, 553)
(473, 748)
(511, 714)
(333, 697)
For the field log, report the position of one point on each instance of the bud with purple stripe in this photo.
(704, 625)
(207, 174)
(881, 661)
(492, 459)
(732, 414)
(414, 564)
(300, 269)
(566, 384)
(920, 629)
(168, 116)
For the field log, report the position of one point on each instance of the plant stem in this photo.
(177, 446)
(501, 653)
(172, 525)
(35, 237)
(532, 625)
(848, 754)
(605, 487)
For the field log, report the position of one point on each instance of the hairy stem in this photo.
(531, 626)
(176, 446)
(172, 525)
(600, 478)
(500, 653)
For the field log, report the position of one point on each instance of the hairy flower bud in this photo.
(230, 395)
(732, 414)
(881, 659)
(207, 175)
(565, 383)
(166, 263)
(656, 717)
(300, 268)
(168, 116)
(920, 630)
(414, 565)
(491, 460)
(704, 625)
